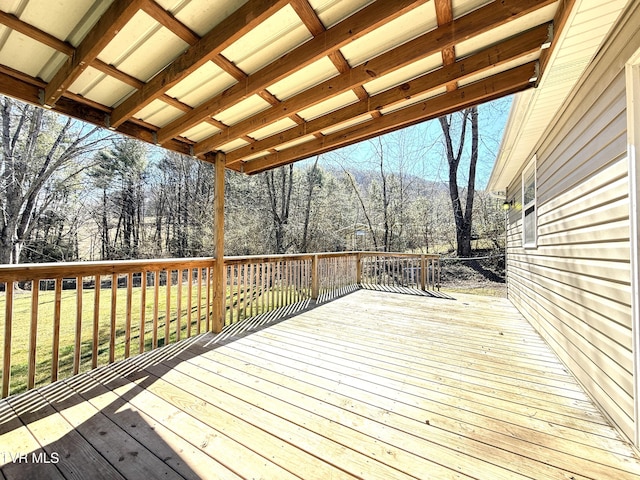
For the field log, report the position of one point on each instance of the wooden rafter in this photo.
(214, 42)
(116, 17)
(497, 86)
(328, 41)
(166, 19)
(512, 46)
(18, 25)
(468, 26)
(444, 15)
(509, 50)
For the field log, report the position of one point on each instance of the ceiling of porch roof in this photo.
(269, 82)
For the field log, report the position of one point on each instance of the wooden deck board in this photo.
(372, 385)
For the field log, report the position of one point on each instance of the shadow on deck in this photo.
(370, 385)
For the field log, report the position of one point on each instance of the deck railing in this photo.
(61, 319)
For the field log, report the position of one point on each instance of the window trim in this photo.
(526, 173)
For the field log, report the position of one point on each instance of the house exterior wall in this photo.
(574, 285)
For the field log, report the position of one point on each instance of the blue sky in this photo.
(419, 150)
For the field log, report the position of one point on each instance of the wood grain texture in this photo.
(458, 388)
(330, 40)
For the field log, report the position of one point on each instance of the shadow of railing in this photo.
(406, 290)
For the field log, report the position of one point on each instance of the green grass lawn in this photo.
(44, 342)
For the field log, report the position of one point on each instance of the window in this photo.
(529, 220)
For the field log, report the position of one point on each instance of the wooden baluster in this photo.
(254, 289)
(283, 283)
(287, 282)
(127, 321)
(230, 280)
(262, 287)
(143, 309)
(208, 297)
(112, 330)
(315, 281)
(156, 313)
(56, 330)
(180, 274)
(240, 279)
(189, 300)
(96, 321)
(8, 324)
(295, 271)
(300, 271)
(167, 309)
(33, 333)
(199, 297)
(274, 286)
(231, 276)
(249, 291)
(78, 333)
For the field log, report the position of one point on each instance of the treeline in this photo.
(72, 193)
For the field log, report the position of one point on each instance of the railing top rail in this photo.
(399, 255)
(34, 271)
(285, 256)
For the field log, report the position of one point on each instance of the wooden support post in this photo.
(359, 269)
(423, 273)
(219, 287)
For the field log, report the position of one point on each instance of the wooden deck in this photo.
(373, 385)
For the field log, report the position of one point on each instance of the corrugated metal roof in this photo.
(257, 78)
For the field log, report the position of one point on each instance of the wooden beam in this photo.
(30, 31)
(219, 284)
(308, 16)
(513, 48)
(220, 37)
(444, 15)
(505, 83)
(117, 74)
(468, 26)
(313, 23)
(111, 22)
(29, 92)
(353, 27)
(166, 19)
(463, 28)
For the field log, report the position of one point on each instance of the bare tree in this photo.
(119, 172)
(36, 147)
(314, 181)
(279, 184)
(463, 216)
(356, 190)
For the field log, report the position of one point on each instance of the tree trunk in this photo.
(312, 179)
(463, 217)
(280, 203)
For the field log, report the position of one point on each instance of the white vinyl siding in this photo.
(575, 286)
